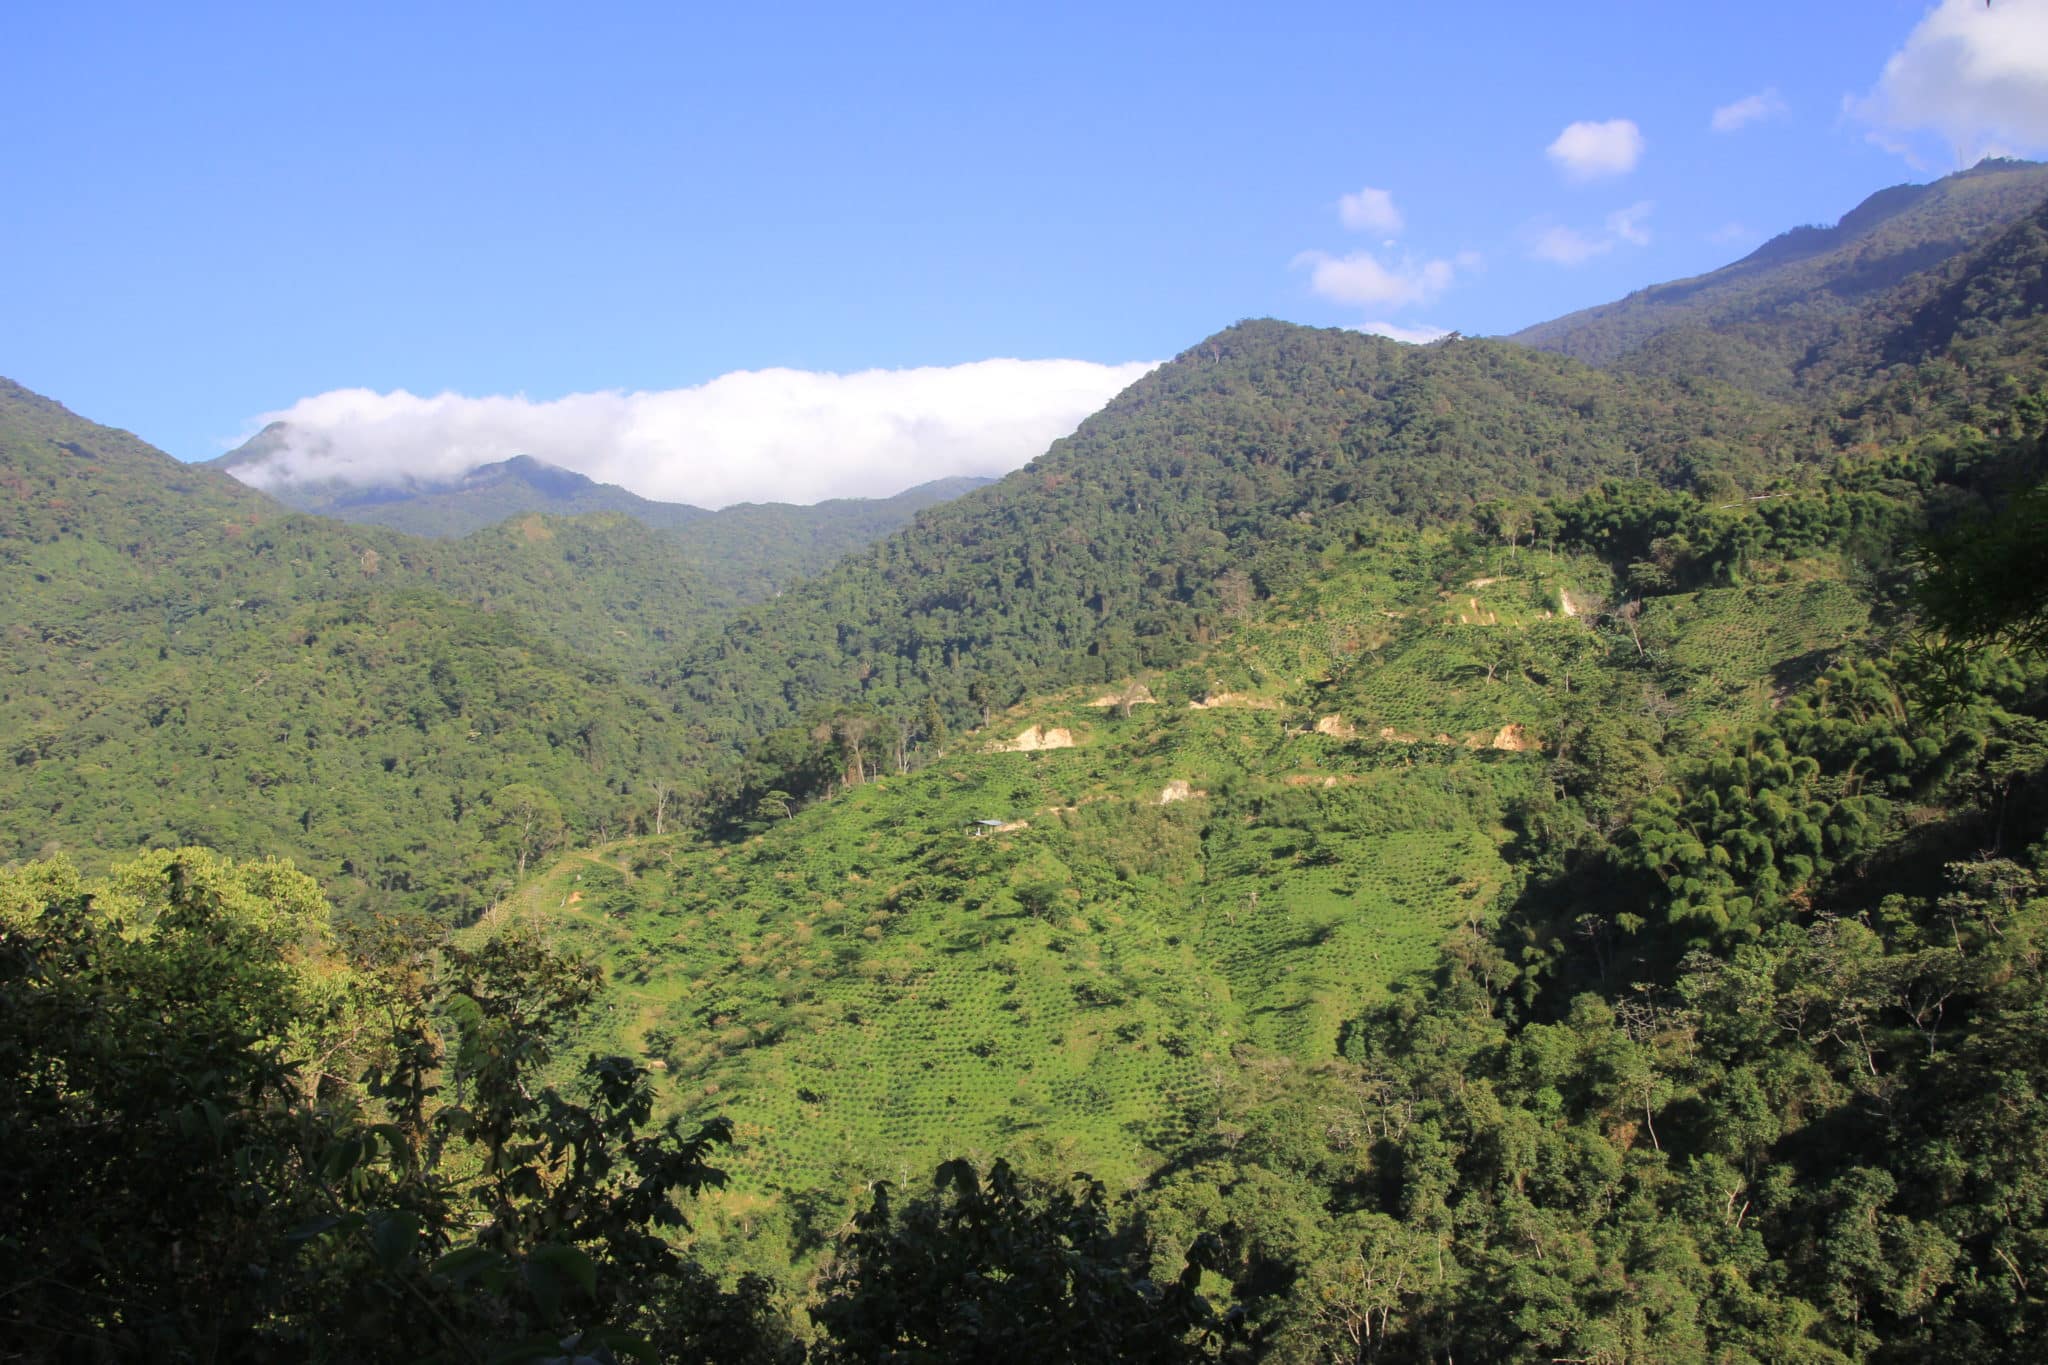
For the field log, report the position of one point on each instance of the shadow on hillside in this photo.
(1790, 675)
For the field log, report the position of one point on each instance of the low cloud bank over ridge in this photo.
(750, 436)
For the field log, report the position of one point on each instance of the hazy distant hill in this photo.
(189, 661)
(484, 496)
(1801, 311)
(747, 552)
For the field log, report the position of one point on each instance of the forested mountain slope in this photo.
(65, 475)
(1191, 494)
(216, 703)
(1815, 309)
(1202, 490)
(1991, 298)
(753, 550)
(1632, 758)
(189, 662)
(1729, 1050)
(1642, 888)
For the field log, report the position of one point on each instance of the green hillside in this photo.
(1209, 487)
(1685, 1007)
(1203, 487)
(885, 972)
(174, 698)
(1456, 851)
(753, 550)
(189, 663)
(1056, 937)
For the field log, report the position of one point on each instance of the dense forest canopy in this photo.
(195, 664)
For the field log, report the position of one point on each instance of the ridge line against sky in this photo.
(741, 256)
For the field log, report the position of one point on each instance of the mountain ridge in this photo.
(496, 490)
(1765, 320)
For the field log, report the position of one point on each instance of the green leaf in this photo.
(394, 1138)
(529, 1351)
(216, 1122)
(624, 1343)
(552, 1270)
(465, 1264)
(320, 1227)
(343, 1158)
(394, 1233)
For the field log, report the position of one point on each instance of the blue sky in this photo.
(211, 213)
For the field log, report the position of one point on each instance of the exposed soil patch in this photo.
(1038, 737)
(1515, 739)
(1141, 695)
(1243, 699)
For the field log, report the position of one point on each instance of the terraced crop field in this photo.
(1732, 650)
(881, 974)
(872, 975)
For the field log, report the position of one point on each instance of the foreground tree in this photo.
(1987, 577)
(229, 1138)
(1001, 1269)
(165, 1044)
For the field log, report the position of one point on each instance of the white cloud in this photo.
(1360, 278)
(754, 435)
(1765, 104)
(1627, 224)
(1370, 210)
(1897, 146)
(1562, 245)
(1589, 151)
(1974, 75)
(1729, 232)
(1418, 335)
(1568, 246)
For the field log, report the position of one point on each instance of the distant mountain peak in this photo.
(1765, 321)
(535, 473)
(496, 491)
(1813, 238)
